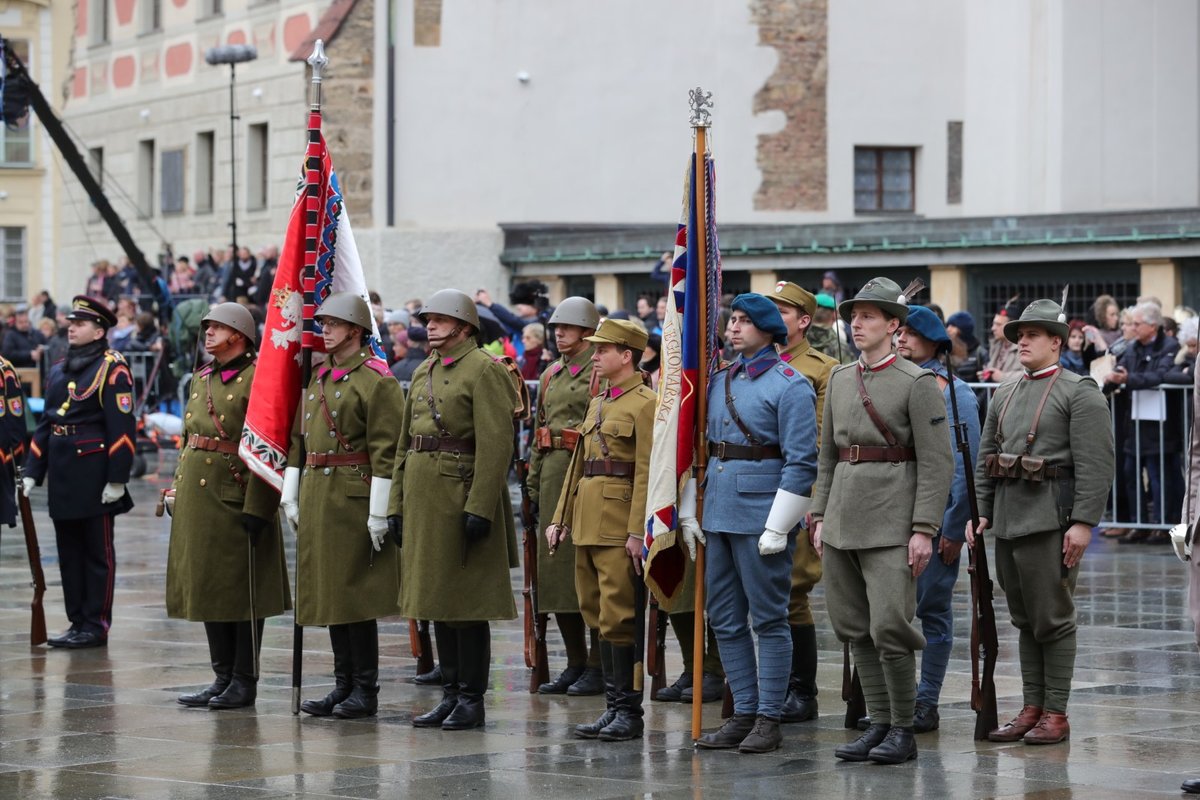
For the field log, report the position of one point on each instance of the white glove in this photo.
(787, 511)
(1181, 541)
(377, 527)
(290, 497)
(689, 526)
(27, 485)
(112, 493)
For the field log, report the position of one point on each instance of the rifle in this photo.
(852, 692)
(37, 620)
(983, 615)
(535, 623)
(656, 666)
(422, 648)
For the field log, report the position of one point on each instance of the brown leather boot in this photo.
(1052, 728)
(1020, 725)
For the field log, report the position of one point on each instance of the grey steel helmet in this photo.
(576, 311)
(451, 303)
(236, 316)
(348, 307)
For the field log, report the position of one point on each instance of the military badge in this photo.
(16, 407)
(125, 402)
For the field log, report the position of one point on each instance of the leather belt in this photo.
(198, 442)
(1055, 471)
(444, 444)
(858, 453)
(594, 467)
(728, 451)
(337, 459)
(71, 430)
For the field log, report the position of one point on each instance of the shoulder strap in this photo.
(869, 406)
(599, 433)
(437, 415)
(729, 406)
(329, 418)
(1037, 415)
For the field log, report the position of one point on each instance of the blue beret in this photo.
(763, 313)
(926, 323)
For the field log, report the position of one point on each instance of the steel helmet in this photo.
(348, 307)
(576, 311)
(236, 316)
(452, 303)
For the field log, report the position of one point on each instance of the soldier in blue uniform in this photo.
(762, 449)
(84, 444)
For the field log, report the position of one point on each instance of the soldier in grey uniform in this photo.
(1044, 471)
(885, 472)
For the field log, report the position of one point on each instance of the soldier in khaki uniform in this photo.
(885, 472)
(347, 429)
(219, 508)
(603, 506)
(1044, 471)
(450, 505)
(563, 398)
(797, 307)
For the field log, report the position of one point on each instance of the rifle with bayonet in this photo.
(37, 620)
(535, 622)
(985, 643)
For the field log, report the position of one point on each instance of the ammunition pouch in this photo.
(544, 440)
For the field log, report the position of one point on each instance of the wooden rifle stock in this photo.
(536, 658)
(852, 692)
(657, 647)
(37, 619)
(419, 644)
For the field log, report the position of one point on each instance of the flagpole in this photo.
(700, 119)
(312, 231)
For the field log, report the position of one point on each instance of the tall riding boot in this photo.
(221, 649)
(364, 654)
(592, 730)
(343, 670)
(447, 648)
(475, 654)
(627, 722)
(800, 705)
(243, 689)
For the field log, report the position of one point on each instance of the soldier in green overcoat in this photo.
(224, 519)
(348, 575)
(450, 504)
(563, 396)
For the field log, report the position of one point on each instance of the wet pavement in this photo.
(104, 723)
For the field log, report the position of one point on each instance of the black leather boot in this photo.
(563, 682)
(243, 689)
(475, 662)
(364, 655)
(712, 689)
(731, 733)
(221, 648)
(673, 693)
(627, 702)
(765, 737)
(860, 748)
(447, 648)
(343, 669)
(431, 678)
(897, 747)
(800, 704)
(591, 730)
(591, 682)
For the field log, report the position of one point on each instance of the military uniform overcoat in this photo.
(207, 561)
(432, 489)
(562, 401)
(341, 579)
(12, 439)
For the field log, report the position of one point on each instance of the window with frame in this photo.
(172, 188)
(98, 22)
(95, 162)
(16, 139)
(205, 149)
(258, 157)
(212, 8)
(12, 270)
(885, 179)
(151, 13)
(145, 178)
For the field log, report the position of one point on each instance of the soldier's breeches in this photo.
(1033, 669)
(870, 675)
(806, 573)
(935, 592)
(872, 596)
(684, 626)
(1058, 659)
(574, 634)
(88, 564)
(741, 584)
(604, 580)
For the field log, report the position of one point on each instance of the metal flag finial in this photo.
(318, 60)
(700, 102)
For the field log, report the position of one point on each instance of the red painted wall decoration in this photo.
(123, 71)
(295, 31)
(180, 3)
(236, 37)
(81, 19)
(79, 82)
(124, 10)
(178, 59)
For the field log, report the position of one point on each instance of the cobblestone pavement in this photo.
(104, 723)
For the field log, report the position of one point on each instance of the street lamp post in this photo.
(232, 54)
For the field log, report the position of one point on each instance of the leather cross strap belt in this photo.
(613, 469)
(858, 453)
(337, 459)
(729, 451)
(444, 444)
(198, 442)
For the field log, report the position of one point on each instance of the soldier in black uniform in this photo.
(12, 438)
(84, 443)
